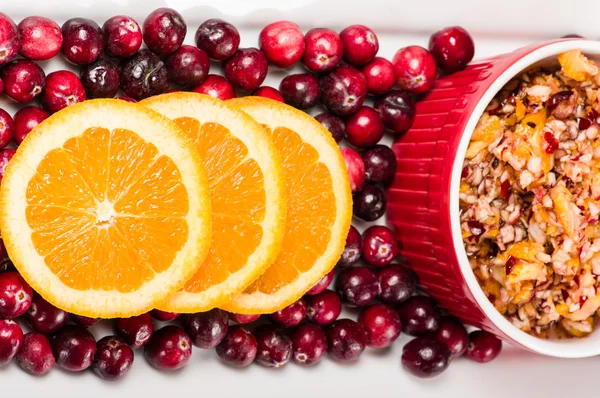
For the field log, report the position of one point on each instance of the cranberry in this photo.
(323, 50)
(218, 38)
(136, 331)
(127, 99)
(397, 109)
(247, 68)
(323, 308)
(274, 348)
(483, 346)
(453, 333)
(300, 90)
(355, 168)
(380, 165)
(309, 344)
(188, 66)
(382, 325)
(360, 44)
(419, 315)
(113, 358)
(369, 204)
(364, 128)
(7, 128)
(334, 124)
(63, 88)
(11, 340)
(23, 80)
(206, 329)
(41, 38)
(380, 76)
(346, 340)
(122, 36)
(357, 286)
(415, 69)
(282, 42)
(380, 246)
(83, 41)
(15, 295)
(143, 75)
(452, 48)
(35, 356)
(100, 79)
(572, 36)
(238, 348)
(243, 319)
(169, 349)
(164, 316)
(9, 39)
(1, 86)
(343, 90)
(216, 86)
(5, 157)
(268, 92)
(84, 321)
(164, 31)
(291, 315)
(322, 284)
(74, 348)
(353, 248)
(45, 318)
(425, 357)
(26, 119)
(396, 284)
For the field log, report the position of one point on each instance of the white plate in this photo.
(498, 27)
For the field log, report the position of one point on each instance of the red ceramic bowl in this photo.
(423, 200)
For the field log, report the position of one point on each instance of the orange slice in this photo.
(105, 209)
(248, 197)
(319, 207)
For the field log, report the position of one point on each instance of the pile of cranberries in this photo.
(344, 75)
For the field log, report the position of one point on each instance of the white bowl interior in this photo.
(568, 348)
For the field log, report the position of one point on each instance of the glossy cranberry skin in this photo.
(274, 348)
(452, 48)
(290, 316)
(35, 356)
(169, 349)
(382, 325)
(380, 165)
(5, 157)
(355, 168)
(346, 340)
(84, 321)
(122, 36)
(246, 69)
(23, 80)
(483, 346)
(425, 357)
(74, 348)
(300, 90)
(100, 79)
(453, 333)
(206, 329)
(309, 344)
(218, 38)
(15, 295)
(188, 66)
(396, 283)
(343, 90)
(352, 250)
(243, 319)
(45, 318)
(11, 340)
(323, 308)
(415, 69)
(164, 31)
(268, 92)
(7, 128)
(323, 50)
(143, 75)
(238, 348)
(216, 86)
(360, 44)
(113, 358)
(63, 88)
(397, 109)
(357, 286)
(26, 119)
(282, 42)
(322, 284)
(364, 128)
(136, 330)
(83, 41)
(1, 86)
(164, 316)
(380, 246)
(369, 204)
(41, 38)
(380, 76)
(333, 124)
(9, 39)
(419, 316)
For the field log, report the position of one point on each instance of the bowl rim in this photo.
(568, 348)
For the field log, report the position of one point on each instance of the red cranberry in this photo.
(357, 286)
(164, 316)
(334, 124)
(380, 164)
(323, 50)
(1, 86)
(84, 321)
(415, 69)
(45, 318)
(419, 316)
(343, 90)
(15, 295)
(282, 42)
(143, 75)
(396, 284)
(218, 38)
(346, 340)
(7, 128)
(380, 246)
(122, 36)
(360, 44)
(169, 349)
(164, 31)
(425, 357)
(268, 92)
(83, 41)
(74, 348)
(452, 48)
(380, 76)
(355, 168)
(23, 80)
(274, 348)
(26, 119)
(353, 248)
(11, 340)
(397, 109)
(238, 348)
(365, 128)
(113, 358)
(323, 308)
(188, 66)
(300, 90)
(453, 333)
(247, 68)
(243, 319)
(35, 356)
(483, 346)
(41, 38)
(291, 315)
(100, 79)
(9, 39)
(382, 325)
(136, 331)
(5, 157)
(322, 284)
(127, 99)
(309, 344)
(369, 204)
(63, 88)
(206, 329)
(216, 86)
